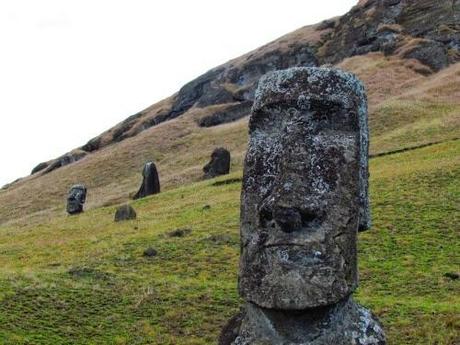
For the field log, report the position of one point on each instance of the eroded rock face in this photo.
(76, 199)
(304, 199)
(304, 189)
(150, 182)
(219, 164)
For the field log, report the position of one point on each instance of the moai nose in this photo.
(288, 219)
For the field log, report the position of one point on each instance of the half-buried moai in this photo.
(304, 199)
(150, 182)
(76, 199)
(219, 163)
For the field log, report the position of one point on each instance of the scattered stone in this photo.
(304, 197)
(150, 183)
(76, 199)
(219, 164)
(125, 212)
(206, 207)
(452, 275)
(150, 252)
(87, 272)
(179, 232)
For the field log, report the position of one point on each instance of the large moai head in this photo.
(76, 198)
(305, 189)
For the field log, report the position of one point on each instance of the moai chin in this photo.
(304, 199)
(76, 199)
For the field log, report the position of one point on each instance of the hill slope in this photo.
(406, 52)
(84, 280)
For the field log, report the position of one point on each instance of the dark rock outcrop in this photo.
(231, 113)
(429, 52)
(150, 181)
(39, 167)
(125, 212)
(376, 25)
(219, 164)
(92, 145)
(64, 160)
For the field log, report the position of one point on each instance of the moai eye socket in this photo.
(333, 115)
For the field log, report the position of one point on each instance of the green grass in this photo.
(84, 280)
(400, 124)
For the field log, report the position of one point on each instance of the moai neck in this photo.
(343, 323)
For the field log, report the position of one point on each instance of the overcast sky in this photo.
(70, 69)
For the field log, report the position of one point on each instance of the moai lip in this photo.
(305, 188)
(76, 199)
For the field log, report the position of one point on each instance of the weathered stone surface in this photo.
(360, 31)
(232, 113)
(231, 330)
(304, 189)
(39, 167)
(64, 160)
(219, 164)
(76, 199)
(304, 199)
(92, 145)
(125, 212)
(150, 183)
(344, 323)
(431, 53)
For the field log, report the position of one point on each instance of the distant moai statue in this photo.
(150, 182)
(76, 198)
(304, 199)
(219, 163)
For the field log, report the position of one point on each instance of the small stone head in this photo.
(305, 189)
(76, 198)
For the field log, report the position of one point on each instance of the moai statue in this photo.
(150, 183)
(76, 198)
(219, 163)
(304, 199)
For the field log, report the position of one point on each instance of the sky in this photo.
(70, 69)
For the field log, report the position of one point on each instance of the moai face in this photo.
(304, 192)
(75, 199)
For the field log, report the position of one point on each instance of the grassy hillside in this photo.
(84, 280)
(406, 109)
